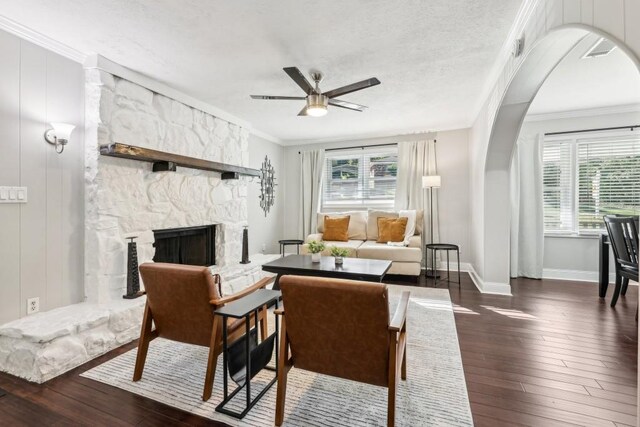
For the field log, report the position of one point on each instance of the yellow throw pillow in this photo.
(391, 229)
(336, 228)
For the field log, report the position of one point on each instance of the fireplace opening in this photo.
(186, 245)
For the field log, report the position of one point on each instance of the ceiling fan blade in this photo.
(303, 112)
(286, 98)
(352, 87)
(300, 79)
(347, 105)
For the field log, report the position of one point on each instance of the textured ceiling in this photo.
(580, 84)
(432, 57)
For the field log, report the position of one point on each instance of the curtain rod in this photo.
(592, 130)
(363, 146)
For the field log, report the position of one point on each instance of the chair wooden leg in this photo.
(403, 368)
(214, 350)
(625, 285)
(143, 343)
(264, 325)
(616, 292)
(283, 368)
(393, 374)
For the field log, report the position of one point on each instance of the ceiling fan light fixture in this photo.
(317, 105)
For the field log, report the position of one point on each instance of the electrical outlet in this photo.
(264, 248)
(33, 305)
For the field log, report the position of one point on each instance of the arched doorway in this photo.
(539, 62)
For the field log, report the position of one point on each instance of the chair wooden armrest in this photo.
(399, 317)
(260, 284)
(279, 311)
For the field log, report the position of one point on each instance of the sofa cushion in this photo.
(374, 250)
(357, 223)
(351, 245)
(391, 229)
(372, 222)
(336, 227)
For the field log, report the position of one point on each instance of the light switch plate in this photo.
(13, 194)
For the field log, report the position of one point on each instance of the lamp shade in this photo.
(431, 181)
(63, 130)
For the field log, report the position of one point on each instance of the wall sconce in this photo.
(59, 135)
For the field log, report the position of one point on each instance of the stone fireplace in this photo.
(188, 216)
(127, 198)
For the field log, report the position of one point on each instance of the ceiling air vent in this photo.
(602, 47)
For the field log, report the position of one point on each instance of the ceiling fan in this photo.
(317, 101)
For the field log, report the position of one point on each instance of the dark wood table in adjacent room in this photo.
(370, 270)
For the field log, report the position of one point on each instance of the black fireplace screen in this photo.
(187, 245)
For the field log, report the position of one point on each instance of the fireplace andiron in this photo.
(245, 245)
(133, 278)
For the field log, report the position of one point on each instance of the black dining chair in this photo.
(623, 235)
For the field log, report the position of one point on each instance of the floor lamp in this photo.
(431, 182)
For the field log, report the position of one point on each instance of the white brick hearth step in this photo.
(44, 345)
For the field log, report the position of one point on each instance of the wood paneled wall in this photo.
(41, 242)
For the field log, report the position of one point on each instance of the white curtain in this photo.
(527, 222)
(415, 160)
(311, 172)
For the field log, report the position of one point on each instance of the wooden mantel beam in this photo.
(132, 152)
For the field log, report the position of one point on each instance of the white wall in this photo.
(574, 257)
(41, 242)
(265, 230)
(453, 166)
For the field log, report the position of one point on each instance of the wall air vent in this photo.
(602, 47)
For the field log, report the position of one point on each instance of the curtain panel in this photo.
(311, 172)
(415, 160)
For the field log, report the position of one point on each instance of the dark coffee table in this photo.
(370, 270)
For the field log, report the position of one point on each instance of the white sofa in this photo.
(363, 234)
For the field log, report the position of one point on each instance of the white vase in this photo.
(315, 257)
(339, 260)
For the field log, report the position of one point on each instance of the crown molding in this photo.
(587, 112)
(524, 13)
(41, 40)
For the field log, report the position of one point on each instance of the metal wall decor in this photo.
(267, 185)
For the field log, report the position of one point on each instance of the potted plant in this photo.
(339, 254)
(315, 248)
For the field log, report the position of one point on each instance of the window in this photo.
(587, 176)
(360, 178)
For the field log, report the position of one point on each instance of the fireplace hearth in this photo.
(186, 245)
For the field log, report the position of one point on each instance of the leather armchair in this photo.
(181, 300)
(341, 328)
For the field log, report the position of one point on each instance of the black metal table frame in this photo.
(434, 273)
(289, 242)
(247, 383)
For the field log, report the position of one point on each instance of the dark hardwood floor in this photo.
(551, 355)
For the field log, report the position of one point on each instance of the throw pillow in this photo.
(336, 228)
(391, 229)
(372, 222)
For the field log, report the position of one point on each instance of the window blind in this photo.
(360, 178)
(608, 180)
(587, 178)
(557, 187)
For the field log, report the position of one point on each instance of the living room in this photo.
(453, 160)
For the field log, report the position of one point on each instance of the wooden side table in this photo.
(290, 242)
(256, 356)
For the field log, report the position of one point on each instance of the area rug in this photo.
(434, 393)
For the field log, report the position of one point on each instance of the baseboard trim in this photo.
(488, 287)
(575, 275)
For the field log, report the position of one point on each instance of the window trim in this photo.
(348, 205)
(575, 139)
